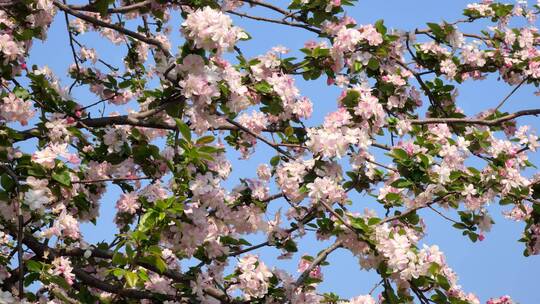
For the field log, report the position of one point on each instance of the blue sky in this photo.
(493, 267)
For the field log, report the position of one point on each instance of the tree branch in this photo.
(115, 27)
(121, 9)
(276, 21)
(319, 259)
(472, 121)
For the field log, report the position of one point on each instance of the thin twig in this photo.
(74, 53)
(115, 27)
(126, 179)
(510, 94)
(266, 141)
(276, 21)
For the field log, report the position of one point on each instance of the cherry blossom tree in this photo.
(197, 104)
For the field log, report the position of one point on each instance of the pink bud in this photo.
(74, 159)
(330, 81)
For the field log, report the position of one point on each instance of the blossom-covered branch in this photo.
(167, 162)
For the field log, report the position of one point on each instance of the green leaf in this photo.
(393, 197)
(21, 93)
(175, 109)
(119, 273)
(400, 154)
(536, 191)
(102, 6)
(34, 266)
(31, 278)
(443, 282)
(160, 264)
(374, 221)
(290, 246)
(373, 64)
(351, 99)
(402, 183)
(274, 161)
(7, 183)
(62, 177)
(460, 226)
(210, 149)
(131, 278)
(119, 259)
(379, 25)
(184, 129)
(37, 171)
(205, 140)
(263, 87)
(359, 223)
(436, 29)
(148, 220)
(425, 160)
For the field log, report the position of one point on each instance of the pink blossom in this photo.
(304, 264)
(326, 189)
(88, 54)
(365, 299)
(159, 284)
(154, 192)
(255, 122)
(501, 300)
(259, 189)
(115, 138)
(45, 157)
(482, 9)
(303, 108)
(394, 79)
(62, 267)
(289, 175)
(67, 225)
(254, 276)
(337, 119)
(128, 203)
(434, 48)
(10, 48)
(449, 68)
(534, 69)
(38, 196)
(370, 34)
(211, 30)
(263, 172)
(519, 213)
(13, 108)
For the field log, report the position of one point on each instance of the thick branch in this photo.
(319, 259)
(472, 121)
(119, 290)
(116, 10)
(43, 251)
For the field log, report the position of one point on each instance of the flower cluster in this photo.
(210, 29)
(253, 278)
(13, 108)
